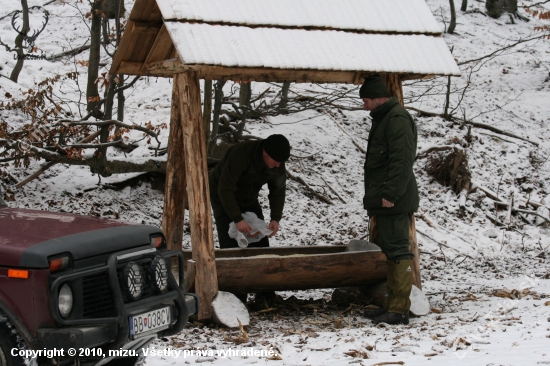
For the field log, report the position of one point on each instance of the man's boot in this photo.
(371, 314)
(399, 295)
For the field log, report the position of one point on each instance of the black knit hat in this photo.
(373, 88)
(277, 147)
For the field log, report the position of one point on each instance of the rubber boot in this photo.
(399, 290)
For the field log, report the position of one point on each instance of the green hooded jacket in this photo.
(237, 180)
(389, 162)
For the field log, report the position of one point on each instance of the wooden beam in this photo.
(170, 67)
(393, 82)
(298, 272)
(175, 186)
(200, 217)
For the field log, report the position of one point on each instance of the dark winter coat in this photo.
(389, 162)
(237, 180)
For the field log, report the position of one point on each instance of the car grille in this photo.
(97, 298)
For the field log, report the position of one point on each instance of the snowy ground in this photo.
(462, 277)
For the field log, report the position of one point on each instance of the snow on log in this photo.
(228, 310)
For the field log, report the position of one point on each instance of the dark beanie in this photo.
(277, 147)
(373, 88)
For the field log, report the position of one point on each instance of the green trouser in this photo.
(392, 236)
(399, 285)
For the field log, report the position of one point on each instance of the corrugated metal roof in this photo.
(393, 16)
(238, 46)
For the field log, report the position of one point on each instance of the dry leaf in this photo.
(436, 310)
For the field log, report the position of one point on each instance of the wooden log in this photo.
(200, 217)
(292, 268)
(298, 272)
(175, 186)
(413, 248)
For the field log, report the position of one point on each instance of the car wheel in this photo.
(8, 341)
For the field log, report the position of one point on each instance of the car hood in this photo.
(29, 237)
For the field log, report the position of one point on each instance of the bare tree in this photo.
(464, 6)
(452, 25)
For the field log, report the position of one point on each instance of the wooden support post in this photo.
(175, 187)
(413, 248)
(393, 82)
(200, 217)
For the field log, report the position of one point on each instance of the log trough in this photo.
(244, 270)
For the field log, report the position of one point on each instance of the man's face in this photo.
(370, 104)
(269, 161)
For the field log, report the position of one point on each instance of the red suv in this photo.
(83, 290)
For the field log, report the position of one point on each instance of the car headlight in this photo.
(160, 274)
(133, 280)
(65, 301)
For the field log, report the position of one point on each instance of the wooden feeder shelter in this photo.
(302, 41)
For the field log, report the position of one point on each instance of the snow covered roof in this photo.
(392, 16)
(235, 46)
(296, 40)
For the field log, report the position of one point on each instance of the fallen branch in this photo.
(425, 152)
(347, 134)
(442, 244)
(46, 166)
(475, 124)
(333, 190)
(311, 190)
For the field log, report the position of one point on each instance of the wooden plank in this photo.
(155, 14)
(139, 48)
(253, 274)
(146, 46)
(175, 187)
(280, 251)
(200, 216)
(130, 68)
(127, 40)
(137, 9)
(160, 49)
(144, 10)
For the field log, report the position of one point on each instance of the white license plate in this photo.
(149, 322)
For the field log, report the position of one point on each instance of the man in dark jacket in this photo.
(391, 193)
(236, 183)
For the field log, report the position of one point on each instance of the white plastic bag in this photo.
(258, 226)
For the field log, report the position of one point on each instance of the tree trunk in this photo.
(244, 101)
(175, 189)
(207, 112)
(284, 97)
(200, 216)
(452, 25)
(218, 100)
(495, 8)
(446, 114)
(19, 43)
(464, 6)
(92, 93)
(116, 7)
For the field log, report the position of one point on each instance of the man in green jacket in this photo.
(236, 183)
(391, 193)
